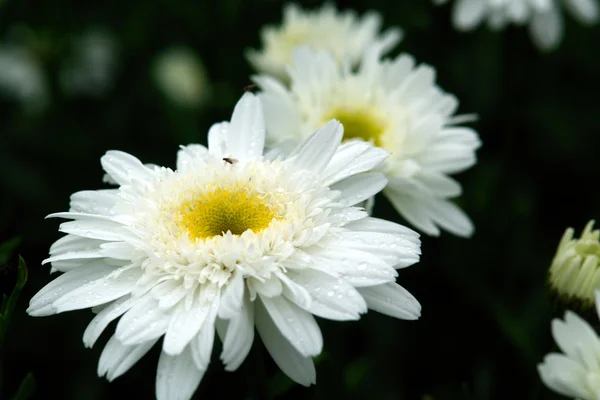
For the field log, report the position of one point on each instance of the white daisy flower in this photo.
(576, 373)
(341, 33)
(544, 17)
(393, 104)
(575, 270)
(229, 240)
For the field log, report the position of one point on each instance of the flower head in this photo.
(342, 33)
(231, 239)
(576, 373)
(575, 270)
(392, 104)
(543, 16)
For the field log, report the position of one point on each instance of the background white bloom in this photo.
(90, 67)
(394, 104)
(343, 33)
(543, 16)
(576, 373)
(229, 240)
(22, 78)
(181, 77)
(575, 270)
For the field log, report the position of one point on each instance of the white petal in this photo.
(116, 359)
(574, 333)
(415, 85)
(217, 139)
(202, 345)
(177, 377)
(358, 268)
(185, 325)
(412, 210)
(169, 293)
(105, 317)
(298, 367)
(94, 201)
(103, 230)
(72, 243)
(448, 157)
(232, 297)
(143, 322)
(546, 28)
(124, 168)
(332, 298)
(351, 158)
(42, 303)
(190, 156)
(586, 11)
(564, 376)
(239, 336)
(451, 218)
(296, 325)
(246, 134)
(393, 249)
(82, 256)
(294, 292)
(439, 184)
(314, 153)
(371, 224)
(467, 14)
(393, 300)
(268, 287)
(357, 188)
(100, 291)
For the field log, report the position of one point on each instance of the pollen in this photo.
(359, 124)
(234, 210)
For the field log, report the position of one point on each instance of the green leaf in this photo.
(7, 248)
(26, 388)
(8, 305)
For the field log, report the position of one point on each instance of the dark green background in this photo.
(486, 313)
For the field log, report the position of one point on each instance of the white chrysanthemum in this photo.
(342, 33)
(575, 270)
(543, 16)
(393, 104)
(576, 373)
(229, 240)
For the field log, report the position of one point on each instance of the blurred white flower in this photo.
(343, 33)
(393, 104)
(576, 373)
(229, 240)
(181, 77)
(575, 271)
(90, 67)
(543, 16)
(22, 78)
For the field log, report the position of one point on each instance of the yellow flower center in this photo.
(216, 212)
(359, 124)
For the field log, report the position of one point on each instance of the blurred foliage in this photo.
(486, 314)
(11, 290)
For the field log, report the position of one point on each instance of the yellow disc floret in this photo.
(359, 124)
(233, 209)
